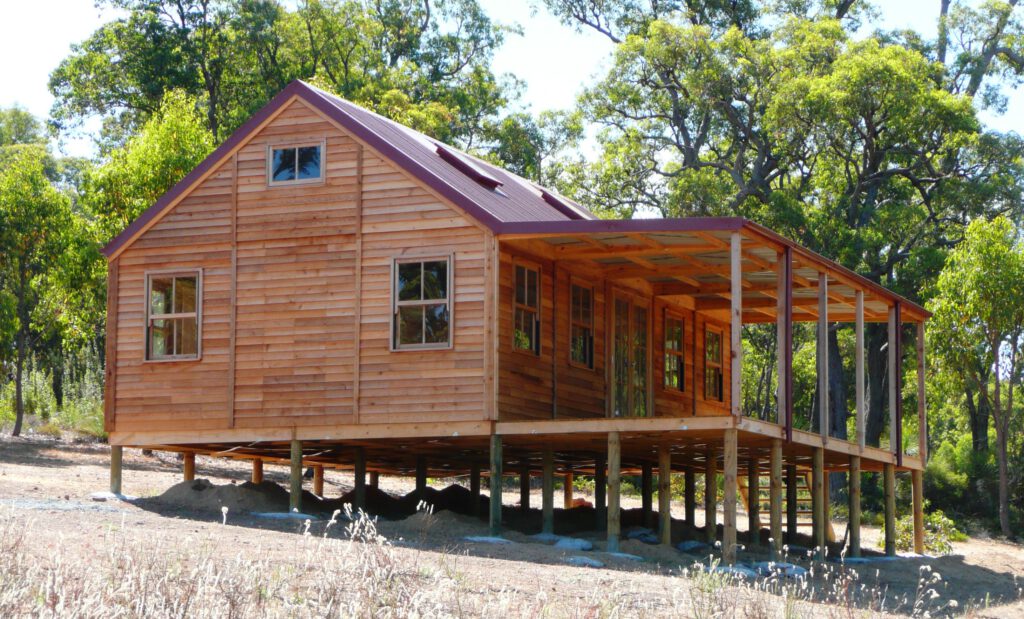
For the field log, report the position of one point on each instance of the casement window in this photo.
(712, 365)
(581, 343)
(526, 326)
(173, 308)
(288, 165)
(422, 304)
(675, 365)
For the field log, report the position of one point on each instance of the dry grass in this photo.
(352, 571)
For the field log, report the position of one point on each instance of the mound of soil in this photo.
(201, 495)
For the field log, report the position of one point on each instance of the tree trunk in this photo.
(878, 382)
(979, 415)
(838, 412)
(1004, 481)
(19, 379)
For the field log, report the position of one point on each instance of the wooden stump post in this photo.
(567, 491)
(753, 500)
(600, 511)
(295, 490)
(495, 500)
(547, 501)
(854, 506)
(614, 480)
(257, 471)
(664, 494)
(818, 503)
(690, 496)
(116, 460)
(318, 480)
(647, 493)
(730, 463)
(917, 480)
(374, 479)
(710, 498)
(775, 499)
(421, 475)
(189, 465)
(792, 505)
(524, 486)
(360, 478)
(474, 486)
(890, 509)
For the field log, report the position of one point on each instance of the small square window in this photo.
(295, 164)
(422, 307)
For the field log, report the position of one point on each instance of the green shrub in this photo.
(939, 534)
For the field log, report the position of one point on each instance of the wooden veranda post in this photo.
(524, 486)
(922, 409)
(495, 480)
(600, 485)
(421, 474)
(295, 489)
(818, 502)
(257, 471)
(614, 479)
(858, 363)
(736, 322)
(360, 477)
(647, 493)
(785, 344)
(664, 494)
(775, 498)
(753, 499)
(374, 479)
(690, 496)
(822, 350)
(917, 481)
(854, 506)
(548, 492)
(730, 464)
(710, 497)
(318, 480)
(792, 505)
(567, 482)
(116, 459)
(474, 486)
(189, 465)
(889, 472)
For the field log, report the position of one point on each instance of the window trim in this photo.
(395, 304)
(586, 285)
(320, 180)
(533, 266)
(681, 353)
(720, 365)
(149, 275)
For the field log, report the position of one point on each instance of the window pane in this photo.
(524, 329)
(160, 295)
(283, 165)
(588, 305)
(435, 280)
(531, 288)
(161, 339)
(520, 285)
(409, 281)
(184, 295)
(436, 324)
(309, 162)
(581, 348)
(410, 325)
(187, 337)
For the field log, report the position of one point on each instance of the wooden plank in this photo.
(736, 324)
(855, 506)
(775, 499)
(233, 293)
(357, 318)
(917, 481)
(664, 494)
(116, 460)
(109, 372)
(496, 482)
(818, 503)
(922, 409)
(614, 483)
(893, 380)
(730, 465)
(295, 477)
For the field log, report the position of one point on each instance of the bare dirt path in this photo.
(49, 483)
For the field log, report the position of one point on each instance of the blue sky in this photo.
(554, 61)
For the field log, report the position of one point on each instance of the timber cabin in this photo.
(332, 289)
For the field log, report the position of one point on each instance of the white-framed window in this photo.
(421, 303)
(174, 315)
(526, 309)
(295, 163)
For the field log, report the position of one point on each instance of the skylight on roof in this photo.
(468, 167)
(561, 205)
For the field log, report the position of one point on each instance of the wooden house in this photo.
(332, 289)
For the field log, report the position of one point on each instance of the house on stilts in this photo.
(332, 289)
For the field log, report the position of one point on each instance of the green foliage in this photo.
(939, 533)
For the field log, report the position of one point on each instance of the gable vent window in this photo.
(295, 164)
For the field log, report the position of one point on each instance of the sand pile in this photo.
(201, 495)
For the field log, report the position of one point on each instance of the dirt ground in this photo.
(51, 482)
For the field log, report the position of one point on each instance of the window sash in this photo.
(581, 329)
(675, 355)
(713, 366)
(526, 309)
(423, 304)
(177, 322)
(297, 177)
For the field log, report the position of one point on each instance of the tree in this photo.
(531, 146)
(979, 325)
(35, 222)
(169, 145)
